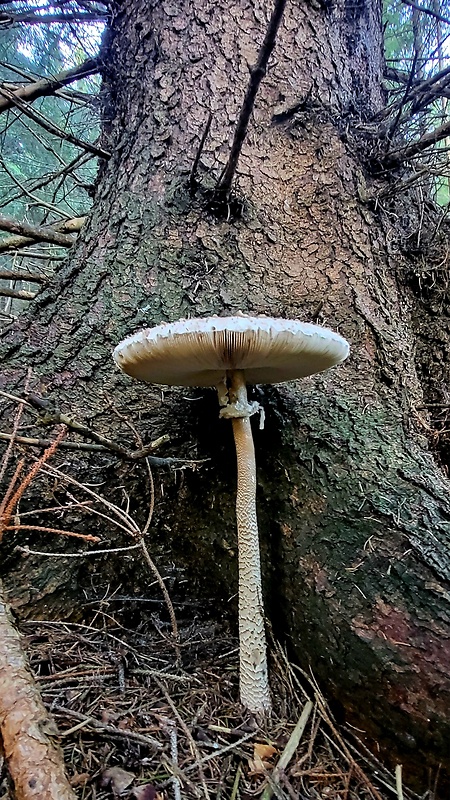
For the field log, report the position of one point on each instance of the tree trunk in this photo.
(353, 510)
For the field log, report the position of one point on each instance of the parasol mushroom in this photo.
(229, 352)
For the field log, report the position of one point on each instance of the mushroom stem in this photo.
(254, 683)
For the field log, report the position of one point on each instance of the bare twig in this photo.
(428, 11)
(50, 126)
(188, 735)
(171, 730)
(80, 160)
(6, 20)
(48, 86)
(394, 157)
(87, 537)
(289, 750)
(143, 533)
(404, 100)
(22, 275)
(53, 415)
(17, 294)
(132, 456)
(38, 201)
(7, 454)
(147, 741)
(192, 177)
(256, 75)
(27, 551)
(39, 233)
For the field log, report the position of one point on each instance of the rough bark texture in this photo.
(354, 512)
(28, 733)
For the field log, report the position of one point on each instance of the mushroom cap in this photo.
(199, 352)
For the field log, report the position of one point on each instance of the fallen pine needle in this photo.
(237, 778)
(398, 781)
(289, 750)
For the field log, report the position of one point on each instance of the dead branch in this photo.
(256, 75)
(38, 233)
(27, 234)
(17, 294)
(80, 160)
(111, 730)
(422, 92)
(28, 732)
(50, 126)
(41, 256)
(428, 11)
(87, 537)
(37, 200)
(403, 100)
(7, 20)
(192, 177)
(396, 157)
(22, 275)
(48, 86)
(134, 455)
(8, 451)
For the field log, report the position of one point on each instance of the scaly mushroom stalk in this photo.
(226, 352)
(254, 681)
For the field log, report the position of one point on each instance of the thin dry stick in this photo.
(171, 730)
(27, 551)
(359, 772)
(50, 126)
(128, 524)
(15, 398)
(154, 569)
(223, 750)
(192, 177)
(27, 730)
(87, 537)
(398, 781)
(289, 750)
(168, 601)
(146, 740)
(16, 242)
(150, 562)
(17, 294)
(135, 455)
(256, 75)
(39, 233)
(47, 86)
(188, 734)
(181, 774)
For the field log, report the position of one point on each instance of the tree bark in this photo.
(353, 509)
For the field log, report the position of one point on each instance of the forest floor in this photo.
(137, 723)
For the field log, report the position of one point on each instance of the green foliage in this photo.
(417, 45)
(30, 154)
